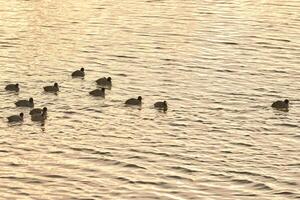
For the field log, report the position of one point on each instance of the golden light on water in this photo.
(219, 65)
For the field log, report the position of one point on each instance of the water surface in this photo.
(219, 65)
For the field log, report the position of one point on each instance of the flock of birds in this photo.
(40, 114)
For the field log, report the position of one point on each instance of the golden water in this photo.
(219, 64)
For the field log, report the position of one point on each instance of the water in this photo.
(219, 65)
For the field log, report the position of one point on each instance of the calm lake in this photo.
(218, 64)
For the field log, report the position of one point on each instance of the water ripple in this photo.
(219, 65)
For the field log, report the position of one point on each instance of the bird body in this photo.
(12, 87)
(39, 117)
(16, 118)
(134, 101)
(38, 111)
(25, 103)
(98, 92)
(105, 82)
(281, 104)
(161, 105)
(78, 73)
(51, 88)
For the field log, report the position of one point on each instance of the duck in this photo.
(38, 111)
(16, 118)
(12, 87)
(51, 88)
(134, 101)
(78, 73)
(39, 117)
(98, 92)
(161, 105)
(104, 82)
(25, 103)
(281, 104)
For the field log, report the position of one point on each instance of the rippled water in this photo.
(219, 64)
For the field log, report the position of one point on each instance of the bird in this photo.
(16, 118)
(106, 82)
(25, 103)
(38, 111)
(51, 88)
(98, 92)
(78, 73)
(39, 117)
(12, 87)
(134, 101)
(161, 105)
(281, 104)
